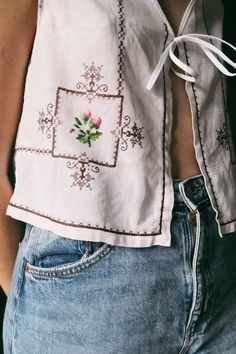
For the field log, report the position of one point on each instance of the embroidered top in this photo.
(92, 155)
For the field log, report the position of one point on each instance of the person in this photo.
(120, 238)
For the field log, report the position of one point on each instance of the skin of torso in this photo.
(183, 159)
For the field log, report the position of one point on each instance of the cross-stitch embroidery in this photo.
(223, 137)
(47, 121)
(82, 176)
(127, 133)
(92, 75)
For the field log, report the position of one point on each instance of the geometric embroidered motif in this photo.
(47, 121)
(92, 75)
(223, 137)
(57, 125)
(127, 133)
(82, 176)
(70, 104)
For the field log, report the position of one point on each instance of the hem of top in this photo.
(88, 234)
(228, 228)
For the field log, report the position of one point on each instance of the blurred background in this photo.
(2, 307)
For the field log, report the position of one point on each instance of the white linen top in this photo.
(92, 152)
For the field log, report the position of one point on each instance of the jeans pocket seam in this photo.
(65, 270)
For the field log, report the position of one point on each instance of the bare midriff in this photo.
(183, 158)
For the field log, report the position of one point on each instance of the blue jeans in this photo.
(69, 296)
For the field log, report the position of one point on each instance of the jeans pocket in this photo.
(12, 303)
(51, 255)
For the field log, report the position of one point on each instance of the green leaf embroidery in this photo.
(90, 125)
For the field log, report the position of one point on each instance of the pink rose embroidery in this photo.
(88, 127)
(97, 121)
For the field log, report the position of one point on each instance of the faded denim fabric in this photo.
(70, 296)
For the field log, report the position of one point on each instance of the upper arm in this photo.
(18, 20)
(17, 23)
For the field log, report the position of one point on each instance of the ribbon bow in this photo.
(207, 48)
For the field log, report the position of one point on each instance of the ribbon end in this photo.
(149, 87)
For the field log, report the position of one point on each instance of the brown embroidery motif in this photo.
(82, 176)
(47, 121)
(223, 137)
(92, 76)
(127, 133)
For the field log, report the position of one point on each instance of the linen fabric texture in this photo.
(92, 149)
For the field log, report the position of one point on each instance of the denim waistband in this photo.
(193, 188)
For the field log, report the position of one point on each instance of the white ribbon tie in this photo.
(208, 48)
